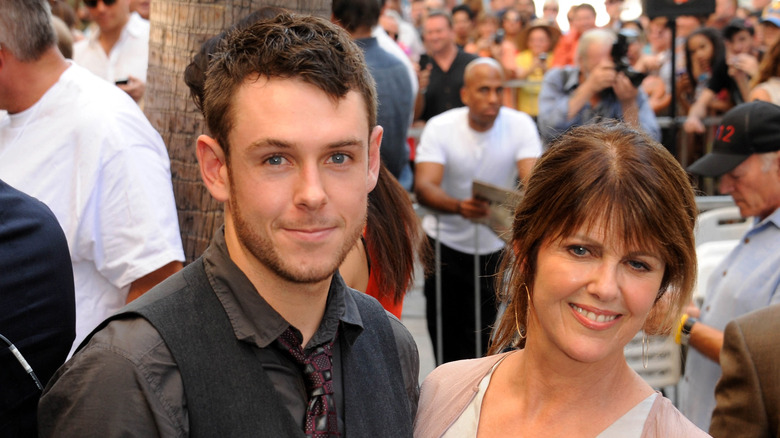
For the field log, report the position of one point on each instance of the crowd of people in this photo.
(289, 322)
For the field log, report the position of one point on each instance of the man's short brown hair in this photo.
(288, 46)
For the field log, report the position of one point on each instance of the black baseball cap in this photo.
(750, 128)
(735, 26)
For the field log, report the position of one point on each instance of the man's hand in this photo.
(424, 75)
(134, 87)
(601, 77)
(624, 90)
(474, 208)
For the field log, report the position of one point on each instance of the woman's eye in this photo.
(578, 250)
(636, 264)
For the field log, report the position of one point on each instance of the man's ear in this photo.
(213, 168)
(374, 142)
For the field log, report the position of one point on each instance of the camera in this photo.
(498, 37)
(620, 58)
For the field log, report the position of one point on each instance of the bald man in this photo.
(481, 141)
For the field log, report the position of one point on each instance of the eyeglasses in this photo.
(93, 3)
(546, 8)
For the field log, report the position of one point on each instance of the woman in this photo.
(512, 25)
(705, 56)
(696, 89)
(532, 62)
(487, 43)
(602, 247)
(766, 85)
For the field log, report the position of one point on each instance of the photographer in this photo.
(593, 90)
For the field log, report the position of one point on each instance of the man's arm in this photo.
(553, 115)
(423, 78)
(706, 340)
(524, 167)
(740, 409)
(148, 281)
(427, 187)
(647, 119)
(106, 389)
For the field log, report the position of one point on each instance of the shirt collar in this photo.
(254, 320)
(773, 218)
(367, 43)
(573, 78)
(134, 27)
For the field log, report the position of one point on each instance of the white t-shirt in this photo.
(87, 151)
(128, 57)
(468, 155)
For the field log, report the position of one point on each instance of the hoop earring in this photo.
(645, 347)
(520, 333)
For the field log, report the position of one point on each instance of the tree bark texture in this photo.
(178, 28)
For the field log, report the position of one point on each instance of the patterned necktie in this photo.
(321, 418)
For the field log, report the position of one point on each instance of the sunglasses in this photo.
(93, 3)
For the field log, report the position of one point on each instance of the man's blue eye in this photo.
(339, 158)
(275, 161)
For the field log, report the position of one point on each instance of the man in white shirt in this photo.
(86, 150)
(481, 141)
(118, 50)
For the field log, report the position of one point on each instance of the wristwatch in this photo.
(685, 333)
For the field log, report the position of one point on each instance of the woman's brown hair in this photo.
(769, 67)
(394, 236)
(611, 175)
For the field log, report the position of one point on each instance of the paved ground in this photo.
(413, 317)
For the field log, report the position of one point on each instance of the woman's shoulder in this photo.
(664, 420)
(462, 371)
(447, 391)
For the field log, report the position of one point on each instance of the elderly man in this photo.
(592, 91)
(118, 51)
(745, 157)
(86, 150)
(260, 336)
(482, 141)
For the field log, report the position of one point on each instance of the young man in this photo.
(118, 51)
(260, 336)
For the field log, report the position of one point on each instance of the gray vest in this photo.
(228, 392)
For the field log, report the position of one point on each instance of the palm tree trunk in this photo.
(178, 28)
